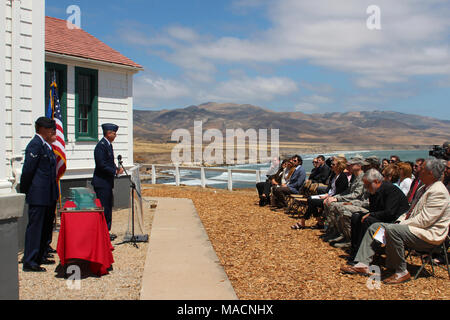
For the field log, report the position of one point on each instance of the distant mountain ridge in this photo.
(362, 127)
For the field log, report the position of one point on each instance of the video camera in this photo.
(438, 152)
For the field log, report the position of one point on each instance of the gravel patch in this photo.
(122, 283)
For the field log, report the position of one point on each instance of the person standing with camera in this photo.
(446, 147)
(105, 171)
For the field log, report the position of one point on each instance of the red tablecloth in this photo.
(84, 235)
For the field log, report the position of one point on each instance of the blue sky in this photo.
(286, 55)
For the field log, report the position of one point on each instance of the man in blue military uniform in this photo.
(38, 182)
(105, 171)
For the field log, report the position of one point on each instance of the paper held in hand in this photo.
(379, 235)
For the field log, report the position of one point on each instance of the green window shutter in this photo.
(86, 104)
(60, 71)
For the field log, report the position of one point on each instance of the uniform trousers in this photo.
(105, 195)
(37, 235)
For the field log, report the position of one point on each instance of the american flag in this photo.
(59, 146)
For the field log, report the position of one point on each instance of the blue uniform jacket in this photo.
(38, 179)
(105, 168)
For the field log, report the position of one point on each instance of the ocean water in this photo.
(248, 180)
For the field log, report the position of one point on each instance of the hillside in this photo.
(371, 128)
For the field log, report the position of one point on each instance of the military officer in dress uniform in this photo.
(105, 171)
(38, 182)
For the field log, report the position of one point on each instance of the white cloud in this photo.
(413, 40)
(182, 33)
(149, 89)
(248, 89)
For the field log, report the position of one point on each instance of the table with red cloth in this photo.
(84, 235)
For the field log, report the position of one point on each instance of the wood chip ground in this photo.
(262, 256)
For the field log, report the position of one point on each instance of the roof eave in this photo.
(99, 62)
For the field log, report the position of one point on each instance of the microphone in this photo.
(119, 158)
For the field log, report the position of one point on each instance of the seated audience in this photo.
(315, 165)
(321, 173)
(338, 184)
(386, 203)
(374, 163)
(392, 174)
(447, 176)
(384, 163)
(272, 180)
(416, 183)
(424, 226)
(337, 209)
(394, 159)
(405, 180)
(296, 181)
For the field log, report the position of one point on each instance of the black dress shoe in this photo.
(112, 236)
(27, 268)
(49, 256)
(47, 261)
(51, 250)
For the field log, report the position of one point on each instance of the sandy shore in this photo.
(160, 153)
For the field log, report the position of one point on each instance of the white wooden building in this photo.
(21, 74)
(22, 29)
(96, 87)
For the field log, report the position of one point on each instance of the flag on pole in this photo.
(59, 146)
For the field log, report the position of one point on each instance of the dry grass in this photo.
(265, 259)
(122, 283)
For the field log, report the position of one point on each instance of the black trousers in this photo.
(37, 234)
(358, 229)
(105, 195)
(313, 208)
(279, 193)
(263, 188)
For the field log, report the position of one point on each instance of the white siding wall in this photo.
(115, 105)
(22, 68)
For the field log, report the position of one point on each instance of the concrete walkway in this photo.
(181, 263)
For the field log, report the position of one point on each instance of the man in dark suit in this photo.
(321, 173)
(294, 185)
(38, 182)
(386, 203)
(105, 171)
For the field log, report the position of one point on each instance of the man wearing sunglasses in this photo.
(321, 172)
(295, 183)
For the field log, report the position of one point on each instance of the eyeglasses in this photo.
(315, 162)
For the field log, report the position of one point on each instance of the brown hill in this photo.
(368, 128)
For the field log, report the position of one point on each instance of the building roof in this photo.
(78, 43)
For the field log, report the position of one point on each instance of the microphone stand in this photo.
(134, 239)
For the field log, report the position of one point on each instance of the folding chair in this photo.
(427, 257)
(297, 203)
